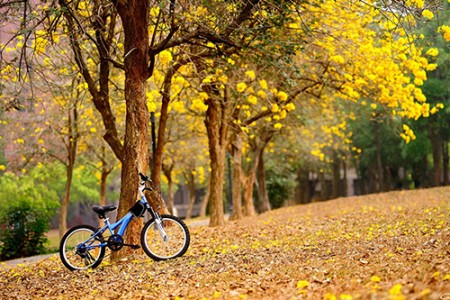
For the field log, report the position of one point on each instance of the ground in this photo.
(385, 246)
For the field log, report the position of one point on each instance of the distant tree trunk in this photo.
(344, 189)
(191, 186)
(249, 181)
(379, 161)
(103, 188)
(336, 184)
(155, 199)
(105, 171)
(436, 149)
(205, 200)
(237, 177)
(303, 191)
(167, 170)
(262, 187)
(71, 148)
(323, 186)
(103, 180)
(65, 202)
(445, 162)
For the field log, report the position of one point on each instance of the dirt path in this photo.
(23, 261)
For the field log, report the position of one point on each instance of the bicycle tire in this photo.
(76, 260)
(159, 249)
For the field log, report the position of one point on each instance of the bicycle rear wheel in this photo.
(168, 240)
(78, 251)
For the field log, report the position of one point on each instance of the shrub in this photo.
(24, 232)
(27, 204)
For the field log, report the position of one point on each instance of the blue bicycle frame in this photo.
(122, 224)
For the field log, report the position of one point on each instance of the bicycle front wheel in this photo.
(167, 239)
(79, 251)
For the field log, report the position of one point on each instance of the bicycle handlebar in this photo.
(144, 178)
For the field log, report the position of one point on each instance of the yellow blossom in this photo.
(275, 107)
(252, 99)
(263, 84)
(427, 14)
(240, 87)
(282, 96)
(375, 278)
(165, 57)
(302, 284)
(433, 52)
(250, 74)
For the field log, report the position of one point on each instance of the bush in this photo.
(279, 188)
(24, 232)
(27, 204)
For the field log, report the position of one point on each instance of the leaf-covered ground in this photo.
(387, 246)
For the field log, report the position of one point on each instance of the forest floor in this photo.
(382, 246)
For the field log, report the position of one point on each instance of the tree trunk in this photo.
(205, 200)
(324, 194)
(134, 15)
(379, 162)
(191, 185)
(445, 161)
(249, 207)
(302, 191)
(237, 177)
(170, 201)
(217, 161)
(336, 185)
(436, 146)
(105, 173)
(155, 199)
(262, 188)
(62, 222)
(71, 148)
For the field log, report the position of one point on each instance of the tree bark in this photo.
(134, 15)
(237, 177)
(217, 161)
(191, 186)
(445, 162)
(168, 173)
(103, 179)
(71, 148)
(436, 149)
(205, 200)
(155, 199)
(336, 185)
(249, 181)
(379, 161)
(262, 188)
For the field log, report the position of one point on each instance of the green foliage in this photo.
(25, 230)
(279, 188)
(85, 186)
(27, 203)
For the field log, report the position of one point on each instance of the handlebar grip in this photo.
(144, 178)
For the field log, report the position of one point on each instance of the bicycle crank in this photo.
(115, 242)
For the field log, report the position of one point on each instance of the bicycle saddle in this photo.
(102, 210)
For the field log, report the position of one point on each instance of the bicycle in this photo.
(163, 237)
